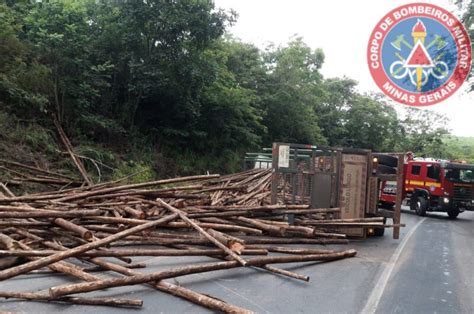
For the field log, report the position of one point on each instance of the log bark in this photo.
(190, 295)
(45, 261)
(134, 186)
(131, 252)
(201, 231)
(83, 232)
(62, 266)
(192, 269)
(50, 214)
(72, 300)
(70, 150)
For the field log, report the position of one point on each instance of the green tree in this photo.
(370, 124)
(424, 131)
(291, 92)
(338, 96)
(23, 80)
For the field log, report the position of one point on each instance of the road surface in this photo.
(429, 270)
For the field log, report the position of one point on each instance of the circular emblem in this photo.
(419, 54)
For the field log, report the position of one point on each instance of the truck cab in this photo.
(434, 185)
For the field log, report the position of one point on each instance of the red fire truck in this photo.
(433, 185)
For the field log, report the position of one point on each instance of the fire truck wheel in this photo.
(421, 205)
(383, 169)
(453, 212)
(386, 160)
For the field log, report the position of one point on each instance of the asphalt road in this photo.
(429, 270)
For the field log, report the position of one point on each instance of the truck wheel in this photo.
(383, 169)
(421, 205)
(386, 205)
(453, 212)
(379, 232)
(386, 160)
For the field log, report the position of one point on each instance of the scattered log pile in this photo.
(21, 173)
(78, 231)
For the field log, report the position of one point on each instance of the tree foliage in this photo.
(163, 78)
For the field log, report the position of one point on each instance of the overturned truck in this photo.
(328, 177)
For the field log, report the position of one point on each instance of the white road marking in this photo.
(377, 292)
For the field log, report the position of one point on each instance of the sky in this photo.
(342, 29)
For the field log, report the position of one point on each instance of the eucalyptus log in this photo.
(62, 266)
(134, 186)
(192, 269)
(131, 252)
(50, 214)
(202, 231)
(45, 261)
(70, 150)
(190, 295)
(83, 232)
(73, 300)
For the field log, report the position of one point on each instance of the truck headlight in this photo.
(445, 200)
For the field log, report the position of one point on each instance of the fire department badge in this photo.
(419, 54)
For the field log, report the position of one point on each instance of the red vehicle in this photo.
(434, 185)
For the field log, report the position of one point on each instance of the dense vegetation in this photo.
(159, 85)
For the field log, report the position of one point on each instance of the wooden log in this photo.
(77, 240)
(346, 224)
(201, 299)
(306, 211)
(36, 169)
(285, 273)
(134, 213)
(225, 236)
(62, 267)
(190, 295)
(50, 214)
(6, 242)
(255, 208)
(329, 234)
(57, 246)
(200, 230)
(301, 230)
(51, 181)
(90, 269)
(191, 269)
(219, 226)
(271, 229)
(289, 250)
(83, 232)
(6, 190)
(70, 150)
(17, 208)
(369, 219)
(132, 252)
(133, 186)
(23, 223)
(269, 269)
(162, 241)
(44, 261)
(73, 300)
(263, 240)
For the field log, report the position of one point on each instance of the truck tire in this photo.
(386, 160)
(421, 205)
(383, 169)
(379, 232)
(387, 205)
(453, 212)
